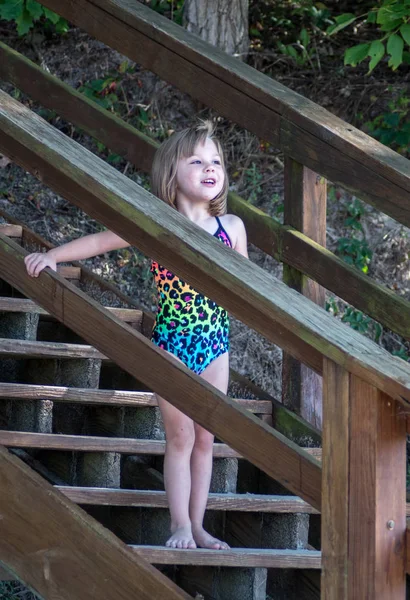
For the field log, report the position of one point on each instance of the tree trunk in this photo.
(222, 23)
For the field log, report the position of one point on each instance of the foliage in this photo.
(253, 179)
(392, 128)
(290, 26)
(27, 13)
(391, 18)
(172, 9)
(355, 250)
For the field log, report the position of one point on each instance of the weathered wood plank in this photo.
(162, 373)
(13, 231)
(18, 348)
(24, 305)
(88, 443)
(363, 527)
(69, 272)
(108, 397)
(281, 242)
(39, 544)
(266, 304)
(235, 557)
(377, 521)
(305, 210)
(158, 499)
(335, 482)
(247, 97)
(349, 283)
(76, 108)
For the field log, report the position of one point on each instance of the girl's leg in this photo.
(179, 432)
(217, 373)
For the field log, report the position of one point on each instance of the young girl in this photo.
(189, 174)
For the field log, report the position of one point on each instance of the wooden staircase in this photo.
(366, 391)
(55, 448)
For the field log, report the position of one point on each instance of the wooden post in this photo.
(305, 210)
(363, 491)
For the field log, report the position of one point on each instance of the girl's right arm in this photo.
(84, 247)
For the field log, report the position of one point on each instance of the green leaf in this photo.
(35, 9)
(355, 55)
(11, 10)
(372, 16)
(304, 38)
(342, 21)
(51, 16)
(395, 46)
(405, 32)
(406, 57)
(291, 51)
(387, 14)
(376, 53)
(24, 22)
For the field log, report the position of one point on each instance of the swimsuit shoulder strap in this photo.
(222, 229)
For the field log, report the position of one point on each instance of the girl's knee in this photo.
(181, 439)
(204, 441)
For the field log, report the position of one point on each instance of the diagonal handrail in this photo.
(304, 130)
(58, 550)
(257, 298)
(280, 241)
(269, 450)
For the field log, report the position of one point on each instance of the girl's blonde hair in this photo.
(182, 145)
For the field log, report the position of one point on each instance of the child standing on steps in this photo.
(189, 174)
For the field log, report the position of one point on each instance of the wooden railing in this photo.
(305, 208)
(365, 389)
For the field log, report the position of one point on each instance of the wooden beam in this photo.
(71, 395)
(158, 499)
(265, 304)
(305, 210)
(335, 482)
(281, 242)
(363, 529)
(13, 231)
(333, 148)
(235, 557)
(247, 434)
(32, 349)
(40, 545)
(24, 305)
(89, 443)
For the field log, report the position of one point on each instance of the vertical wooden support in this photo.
(305, 210)
(363, 492)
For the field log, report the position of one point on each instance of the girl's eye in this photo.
(217, 162)
(194, 162)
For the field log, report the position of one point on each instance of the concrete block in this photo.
(144, 423)
(99, 469)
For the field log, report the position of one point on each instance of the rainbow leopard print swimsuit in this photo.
(188, 324)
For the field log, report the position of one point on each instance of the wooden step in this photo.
(84, 443)
(235, 557)
(81, 443)
(12, 231)
(10, 348)
(103, 397)
(158, 499)
(23, 305)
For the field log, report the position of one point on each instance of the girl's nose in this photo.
(209, 167)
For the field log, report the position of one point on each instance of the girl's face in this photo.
(200, 177)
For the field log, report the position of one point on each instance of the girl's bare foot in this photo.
(204, 539)
(181, 538)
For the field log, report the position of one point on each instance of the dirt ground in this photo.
(256, 173)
